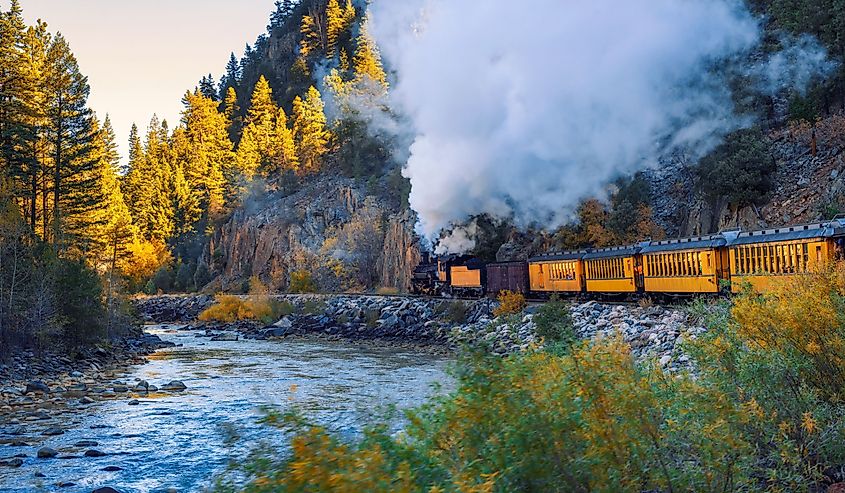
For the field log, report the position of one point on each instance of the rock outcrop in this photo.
(343, 237)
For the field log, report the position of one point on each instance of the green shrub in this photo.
(554, 323)
(313, 307)
(455, 312)
(80, 302)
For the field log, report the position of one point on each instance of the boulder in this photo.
(174, 386)
(46, 453)
(86, 443)
(36, 387)
(94, 453)
(53, 431)
(14, 462)
(225, 338)
(284, 323)
(107, 489)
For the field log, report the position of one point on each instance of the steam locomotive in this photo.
(725, 262)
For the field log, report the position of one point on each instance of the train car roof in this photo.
(789, 233)
(552, 256)
(623, 251)
(693, 243)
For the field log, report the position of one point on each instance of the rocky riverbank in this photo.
(42, 395)
(653, 332)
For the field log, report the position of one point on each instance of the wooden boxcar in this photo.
(762, 258)
(612, 270)
(561, 272)
(684, 266)
(507, 276)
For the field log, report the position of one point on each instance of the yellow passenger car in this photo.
(762, 258)
(684, 266)
(612, 270)
(561, 272)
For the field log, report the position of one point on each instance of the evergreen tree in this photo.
(367, 62)
(254, 150)
(232, 111)
(70, 133)
(334, 26)
(232, 78)
(283, 151)
(207, 152)
(262, 109)
(135, 171)
(309, 131)
(115, 229)
(155, 216)
(207, 87)
(313, 31)
(27, 150)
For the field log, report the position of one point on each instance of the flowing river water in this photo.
(178, 441)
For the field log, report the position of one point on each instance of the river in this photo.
(178, 441)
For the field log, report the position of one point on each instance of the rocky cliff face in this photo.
(807, 186)
(344, 238)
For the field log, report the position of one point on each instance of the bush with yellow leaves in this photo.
(510, 303)
(257, 306)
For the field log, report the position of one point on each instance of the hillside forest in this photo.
(78, 231)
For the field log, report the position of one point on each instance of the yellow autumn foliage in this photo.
(510, 303)
(802, 317)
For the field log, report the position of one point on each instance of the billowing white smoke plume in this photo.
(522, 109)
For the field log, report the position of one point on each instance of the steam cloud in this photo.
(522, 109)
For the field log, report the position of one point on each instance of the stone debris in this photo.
(653, 332)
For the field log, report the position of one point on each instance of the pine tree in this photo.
(114, 227)
(27, 121)
(367, 62)
(334, 26)
(313, 32)
(232, 78)
(12, 29)
(155, 217)
(207, 153)
(283, 151)
(135, 171)
(70, 133)
(232, 111)
(254, 150)
(281, 13)
(207, 87)
(349, 15)
(262, 109)
(309, 130)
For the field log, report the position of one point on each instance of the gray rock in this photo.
(14, 462)
(37, 386)
(133, 402)
(225, 338)
(46, 453)
(94, 453)
(174, 386)
(53, 431)
(86, 400)
(86, 443)
(107, 489)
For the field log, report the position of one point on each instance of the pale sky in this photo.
(141, 56)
